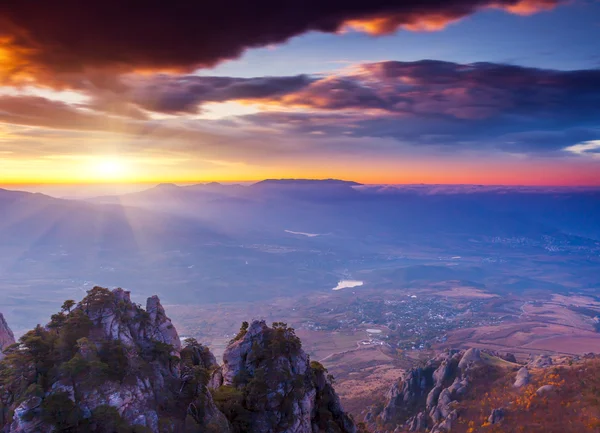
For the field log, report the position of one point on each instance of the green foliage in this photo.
(76, 326)
(257, 388)
(161, 351)
(47, 354)
(192, 342)
(68, 305)
(106, 419)
(242, 332)
(98, 298)
(230, 401)
(283, 341)
(61, 412)
(114, 355)
(316, 366)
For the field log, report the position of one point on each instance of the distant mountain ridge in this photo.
(306, 182)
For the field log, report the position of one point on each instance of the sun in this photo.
(109, 169)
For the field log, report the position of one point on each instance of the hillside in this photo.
(478, 391)
(105, 364)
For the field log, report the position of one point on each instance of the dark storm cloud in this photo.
(471, 91)
(177, 94)
(74, 36)
(516, 109)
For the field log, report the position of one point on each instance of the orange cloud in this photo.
(420, 21)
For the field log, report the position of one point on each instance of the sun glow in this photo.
(109, 169)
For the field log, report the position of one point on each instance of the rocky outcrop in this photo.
(426, 397)
(496, 416)
(545, 389)
(124, 359)
(281, 390)
(6, 335)
(110, 365)
(418, 423)
(540, 361)
(445, 425)
(407, 394)
(470, 357)
(484, 386)
(522, 378)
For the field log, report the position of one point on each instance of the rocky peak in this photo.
(115, 317)
(279, 389)
(106, 364)
(108, 358)
(6, 335)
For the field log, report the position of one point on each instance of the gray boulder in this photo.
(545, 389)
(470, 358)
(541, 361)
(496, 416)
(522, 378)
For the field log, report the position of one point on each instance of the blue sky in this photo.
(563, 38)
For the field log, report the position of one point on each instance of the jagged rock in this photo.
(201, 355)
(458, 387)
(545, 389)
(161, 328)
(406, 394)
(444, 371)
(418, 422)
(541, 361)
(216, 379)
(523, 378)
(422, 390)
(151, 379)
(470, 358)
(445, 425)
(26, 417)
(432, 397)
(114, 361)
(444, 401)
(496, 416)
(6, 335)
(294, 395)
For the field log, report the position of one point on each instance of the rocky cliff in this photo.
(108, 365)
(424, 397)
(6, 336)
(475, 390)
(278, 388)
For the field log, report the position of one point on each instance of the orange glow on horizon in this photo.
(535, 174)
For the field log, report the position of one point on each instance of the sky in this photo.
(412, 91)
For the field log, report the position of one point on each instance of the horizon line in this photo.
(252, 181)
